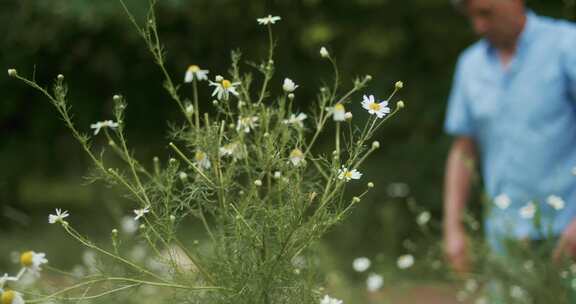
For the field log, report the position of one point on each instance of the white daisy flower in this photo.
(328, 300)
(268, 20)
(289, 86)
(194, 72)
(140, 213)
(528, 211)
(348, 175)
(423, 218)
(556, 202)
(502, 201)
(324, 52)
(361, 264)
(517, 292)
(338, 112)
(59, 217)
(202, 160)
(405, 261)
(374, 282)
(296, 119)
(247, 123)
(296, 157)
(129, 225)
(5, 278)
(375, 108)
(32, 261)
(103, 124)
(223, 88)
(234, 150)
(277, 174)
(11, 297)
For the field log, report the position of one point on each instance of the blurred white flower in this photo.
(11, 297)
(234, 150)
(574, 171)
(247, 123)
(374, 282)
(268, 20)
(59, 217)
(348, 175)
(405, 261)
(32, 261)
(481, 300)
(379, 109)
(103, 124)
(289, 86)
(324, 52)
(277, 174)
(556, 202)
(296, 119)
(471, 285)
(223, 88)
(361, 264)
(397, 189)
(201, 160)
(194, 72)
(296, 157)
(338, 112)
(502, 201)
(423, 218)
(517, 292)
(129, 225)
(528, 211)
(183, 176)
(328, 300)
(140, 213)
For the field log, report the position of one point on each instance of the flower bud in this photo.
(375, 144)
(60, 77)
(172, 218)
(355, 199)
(348, 115)
(219, 78)
(12, 72)
(117, 98)
(142, 227)
(291, 96)
(189, 109)
(277, 174)
(400, 104)
(324, 52)
(114, 232)
(215, 102)
(172, 160)
(111, 143)
(258, 183)
(183, 176)
(399, 84)
(368, 77)
(370, 185)
(155, 159)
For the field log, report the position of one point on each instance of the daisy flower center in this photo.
(8, 297)
(26, 259)
(296, 153)
(375, 106)
(200, 156)
(338, 107)
(226, 84)
(348, 174)
(193, 68)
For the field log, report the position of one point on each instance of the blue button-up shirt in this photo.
(523, 120)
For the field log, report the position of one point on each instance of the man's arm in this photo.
(458, 176)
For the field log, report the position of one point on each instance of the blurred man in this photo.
(513, 110)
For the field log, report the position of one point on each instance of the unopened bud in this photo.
(375, 144)
(12, 72)
(172, 160)
(277, 174)
(355, 199)
(142, 227)
(116, 98)
(189, 109)
(399, 84)
(258, 183)
(291, 96)
(114, 232)
(348, 115)
(155, 159)
(370, 185)
(215, 102)
(368, 77)
(324, 52)
(172, 218)
(400, 104)
(183, 176)
(111, 143)
(60, 77)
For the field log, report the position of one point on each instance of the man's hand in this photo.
(456, 249)
(567, 244)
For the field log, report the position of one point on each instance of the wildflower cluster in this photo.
(250, 175)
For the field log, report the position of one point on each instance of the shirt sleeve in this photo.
(458, 120)
(569, 61)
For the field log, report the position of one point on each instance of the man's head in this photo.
(499, 21)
